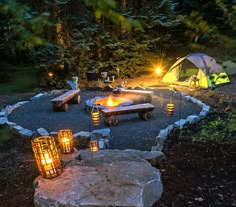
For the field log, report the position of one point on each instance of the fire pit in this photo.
(108, 102)
(118, 104)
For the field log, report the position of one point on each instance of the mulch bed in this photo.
(194, 173)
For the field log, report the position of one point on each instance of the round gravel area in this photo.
(130, 133)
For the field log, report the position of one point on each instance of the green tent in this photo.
(205, 68)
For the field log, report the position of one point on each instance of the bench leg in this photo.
(62, 108)
(145, 115)
(75, 100)
(111, 120)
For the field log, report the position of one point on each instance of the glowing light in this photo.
(158, 71)
(47, 157)
(65, 139)
(111, 101)
(50, 74)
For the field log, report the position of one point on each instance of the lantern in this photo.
(95, 115)
(47, 157)
(170, 109)
(50, 74)
(170, 106)
(93, 146)
(65, 140)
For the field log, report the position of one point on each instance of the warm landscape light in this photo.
(93, 146)
(47, 156)
(50, 74)
(158, 71)
(65, 140)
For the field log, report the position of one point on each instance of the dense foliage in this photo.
(126, 38)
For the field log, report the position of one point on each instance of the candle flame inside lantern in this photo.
(93, 146)
(47, 157)
(65, 139)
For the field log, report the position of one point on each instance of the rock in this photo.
(3, 120)
(187, 98)
(159, 143)
(192, 119)
(181, 123)
(103, 143)
(102, 179)
(42, 132)
(155, 158)
(16, 129)
(25, 133)
(101, 133)
(9, 109)
(203, 114)
(11, 124)
(67, 158)
(206, 108)
(2, 114)
(199, 103)
(38, 96)
(22, 103)
(194, 100)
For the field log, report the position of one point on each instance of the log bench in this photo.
(137, 96)
(110, 114)
(60, 103)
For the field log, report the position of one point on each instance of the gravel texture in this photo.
(130, 133)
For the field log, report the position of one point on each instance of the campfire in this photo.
(108, 101)
(112, 101)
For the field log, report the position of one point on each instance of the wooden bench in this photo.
(137, 96)
(110, 114)
(60, 103)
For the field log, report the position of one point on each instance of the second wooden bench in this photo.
(110, 114)
(60, 103)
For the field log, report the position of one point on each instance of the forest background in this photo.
(126, 38)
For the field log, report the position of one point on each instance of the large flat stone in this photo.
(106, 178)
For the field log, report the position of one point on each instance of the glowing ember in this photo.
(111, 101)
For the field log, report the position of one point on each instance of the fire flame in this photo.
(110, 101)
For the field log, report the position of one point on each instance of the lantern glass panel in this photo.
(47, 156)
(93, 146)
(65, 140)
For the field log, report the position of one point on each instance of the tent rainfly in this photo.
(208, 72)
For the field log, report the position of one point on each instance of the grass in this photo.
(17, 78)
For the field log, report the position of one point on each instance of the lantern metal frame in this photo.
(170, 106)
(95, 115)
(93, 146)
(47, 156)
(65, 139)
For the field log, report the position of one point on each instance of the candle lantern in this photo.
(93, 146)
(170, 109)
(65, 140)
(95, 115)
(170, 106)
(47, 156)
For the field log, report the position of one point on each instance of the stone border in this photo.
(104, 139)
(191, 119)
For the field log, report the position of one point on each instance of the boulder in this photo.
(42, 132)
(103, 179)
